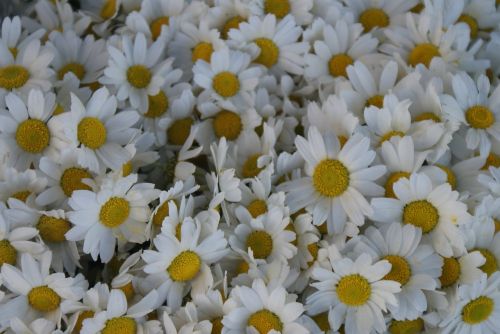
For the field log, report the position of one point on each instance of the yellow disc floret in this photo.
(53, 229)
(337, 65)
(257, 207)
(330, 178)
(77, 69)
(91, 132)
(13, 76)
(203, 51)
(261, 244)
(139, 76)
(157, 25)
(400, 270)
(250, 168)
(33, 136)
(264, 321)
(8, 253)
(478, 310)
(390, 134)
(108, 9)
(232, 23)
(421, 214)
(471, 22)
(71, 180)
(79, 321)
(280, 8)
(43, 299)
(372, 18)
(269, 52)
(160, 214)
(491, 264)
(479, 117)
(353, 290)
(120, 325)
(423, 54)
(158, 105)
(179, 131)
(427, 116)
(376, 101)
(450, 273)
(185, 266)
(226, 84)
(407, 326)
(227, 124)
(114, 212)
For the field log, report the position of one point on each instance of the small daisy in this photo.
(23, 186)
(481, 236)
(255, 154)
(13, 35)
(228, 14)
(57, 16)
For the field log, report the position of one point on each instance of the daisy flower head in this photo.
(227, 15)
(434, 209)
(14, 36)
(299, 9)
(336, 180)
(97, 132)
(23, 186)
(118, 210)
(482, 237)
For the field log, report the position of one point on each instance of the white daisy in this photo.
(481, 236)
(23, 186)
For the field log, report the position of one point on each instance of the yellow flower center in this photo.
(127, 168)
(337, 65)
(158, 105)
(393, 178)
(421, 214)
(313, 250)
(114, 212)
(492, 160)
(423, 54)
(71, 180)
(491, 264)
(8, 254)
(202, 50)
(21, 195)
(353, 290)
(479, 117)
(250, 168)
(450, 273)
(59, 109)
(128, 290)
(43, 299)
(376, 101)
(243, 267)
(179, 131)
(400, 271)
(261, 244)
(257, 207)
(13, 76)
(77, 69)
(139, 76)
(33, 136)
(269, 52)
(108, 9)
(391, 134)
(427, 116)
(227, 124)
(478, 310)
(13, 51)
(322, 321)
(450, 176)
(471, 22)
(226, 84)
(185, 266)
(264, 321)
(157, 24)
(280, 8)
(161, 214)
(217, 325)
(232, 23)
(178, 231)
(418, 8)
(406, 326)
(91, 132)
(53, 229)
(331, 178)
(372, 18)
(79, 321)
(120, 325)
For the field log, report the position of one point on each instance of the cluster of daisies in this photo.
(250, 167)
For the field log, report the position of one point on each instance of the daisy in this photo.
(97, 133)
(138, 70)
(124, 280)
(38, 294)
(354, 293)
(23, 186)
(58, 16)
(118, 210)
(434, 209)
(185, 320)
(336, 180)
(271, 44)
(227, 79)
(262, 309)
(13, 35)
(212, 306)
(481, 237)
(228, 14)
(299, 9)
(255, 154)
(102, 10)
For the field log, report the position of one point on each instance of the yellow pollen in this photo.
(342, 140)
(427, 116)
(71, 180)
(108, 9)
(337, 65)
(313, 250)
(127, 168)
(227, 124)
(43, 299)
(478, 310)
(59, 109)
(331, 178)
(243, 267)
(77, 69)
(423, 54)
(91, 132)
(139, 76)
(471, 22)
(13, 76)
(53, 229)
(353, 290)
(226, 84)
(393, 178)
(407, 326)
(114, 212)
(33, 136)
(450, 176)
(479, 117)
(79, 321)
(157, 24)
(491, 264)
(421, 214)
(217, 325)
(323, 229)
(257, 207)
(161, 214)
(158, 105)
(322, 321)
(280, 8)
(179, 131)
(21, 195)
(261, 244)
(372, 18)
(8, 254)
(450, 273)
(265, 321)
(391, 134)
(269, 52)
(93, 85)
(250, 168)
(202, 50)
(232, 23)
(376, 101)
(400, 271)
(492, 160)
(185, 266)
(128, 290)
(120, 325)
(178, 231)
(13, 51)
